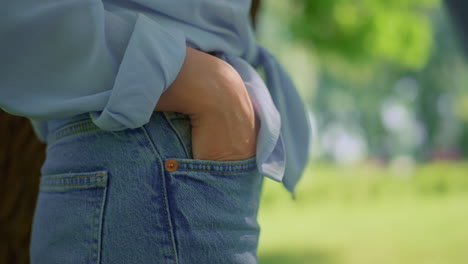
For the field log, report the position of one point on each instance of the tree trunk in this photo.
(254, 11)
(21, 156)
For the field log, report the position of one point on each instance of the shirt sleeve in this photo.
(61, 58)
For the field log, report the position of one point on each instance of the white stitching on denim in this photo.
(166, 208)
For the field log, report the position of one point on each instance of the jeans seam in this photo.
(237, 163)
(74, 184)
(164, 192)
(74, 133)
(65, 177)
(101, 223)
(78, 123)
(214, 171)
(75, 129)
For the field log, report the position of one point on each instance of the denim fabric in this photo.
(111, 197)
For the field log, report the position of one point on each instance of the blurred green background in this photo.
(387, 182)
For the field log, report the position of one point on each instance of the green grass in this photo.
(368, 214)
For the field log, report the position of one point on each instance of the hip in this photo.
(143, 183)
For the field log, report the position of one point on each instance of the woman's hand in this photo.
(213, 95)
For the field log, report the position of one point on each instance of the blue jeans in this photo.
(137, 196)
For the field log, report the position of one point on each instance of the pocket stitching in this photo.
(74, 184)
(99, 202)
(96, 178)
(73, 129)
(87, 175)
(234, 166)
(78, 123)
(218, 171)
(237, 162)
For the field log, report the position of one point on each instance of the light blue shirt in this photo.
(114, 58)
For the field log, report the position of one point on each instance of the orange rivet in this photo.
(171, 165)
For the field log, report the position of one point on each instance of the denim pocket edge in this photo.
(190, 164)
(216, 166)
(73, 181)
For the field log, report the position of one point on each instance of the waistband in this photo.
(169, 132)
(60, 128)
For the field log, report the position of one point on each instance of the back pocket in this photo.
(68, 219)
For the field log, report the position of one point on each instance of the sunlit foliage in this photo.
(397, 31)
